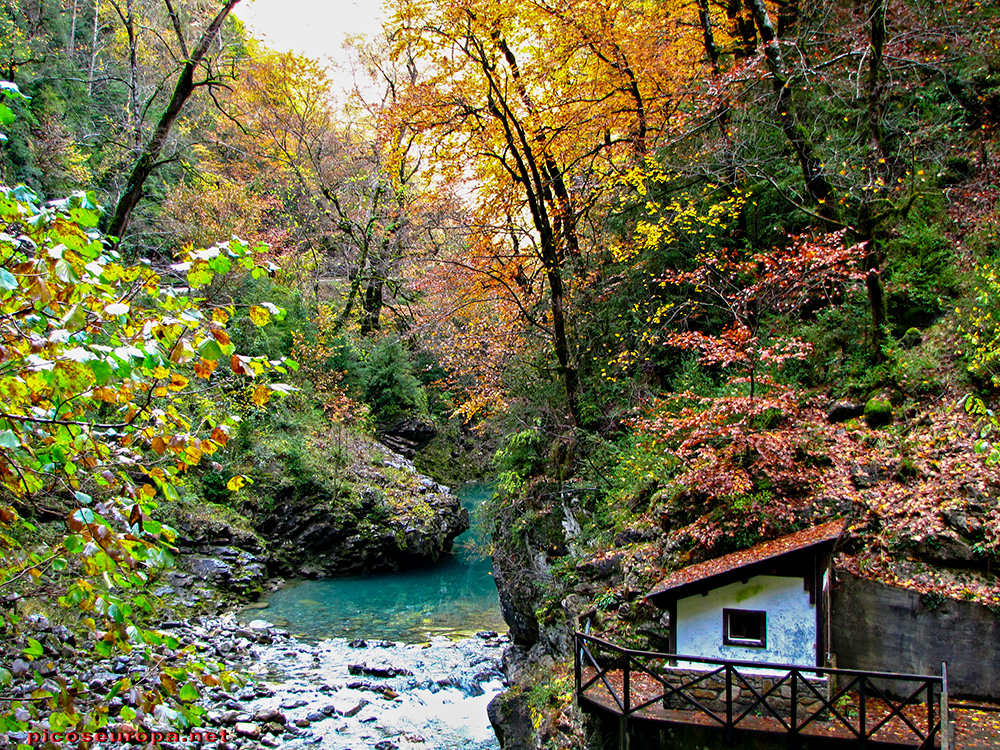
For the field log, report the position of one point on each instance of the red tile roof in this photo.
(826, 533)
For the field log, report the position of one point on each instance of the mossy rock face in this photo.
(878, 412)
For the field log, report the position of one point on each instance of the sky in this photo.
(316, 28)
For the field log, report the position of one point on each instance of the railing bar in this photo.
(897, 676)
(762, 701)
(630, 660)
(704, 709)
(897, 711)
(647, 704)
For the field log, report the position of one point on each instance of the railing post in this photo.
(945, 713)
(795, 702)
(578, 661)
(862, 710)
(625, 680)
(729, 703)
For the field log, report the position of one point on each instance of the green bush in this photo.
(921, 274)
(391, 389)
(520, 458)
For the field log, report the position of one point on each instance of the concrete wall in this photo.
(791, 621)
(885, 628)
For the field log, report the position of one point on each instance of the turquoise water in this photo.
(454, 598)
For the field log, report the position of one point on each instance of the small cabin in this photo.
(769, 603)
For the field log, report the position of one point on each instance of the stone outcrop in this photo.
(400, 518)
(408, 436)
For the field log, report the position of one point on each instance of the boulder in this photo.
(843, 411)
(510, 717)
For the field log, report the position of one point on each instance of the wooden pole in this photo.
(945, 716)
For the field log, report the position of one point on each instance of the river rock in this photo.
(408, 436)
(270, 716)
(378, 670)
(510, 716)
(248, 730)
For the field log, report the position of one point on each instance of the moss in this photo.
(878, 412)
(913, 337)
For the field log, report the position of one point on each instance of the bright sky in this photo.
(316, 28)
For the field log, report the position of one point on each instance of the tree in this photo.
(108, 373)
(185, 85)
(346, 184)
(751, 438)
(536, 103)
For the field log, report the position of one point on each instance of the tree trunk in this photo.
(876, 297)
(878, 33)
(711, 49)
(93, 48)
(743, 31)
(147, 161)
(788, 16)
(812, 173)
(551, 210)
(372, 307)
(71, 41)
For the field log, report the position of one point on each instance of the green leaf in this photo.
(188, 692)
(9, 440)
(83, 498)
(127, 713)
(7, 280)
(65, 272)
(5, 677)
(58, 721)
(34, 649)
(103, 372)
(200, 274)
(210, 349)
(117, 688)
(73, 544)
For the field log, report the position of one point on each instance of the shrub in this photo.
(391, 389)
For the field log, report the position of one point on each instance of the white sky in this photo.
(316, 28)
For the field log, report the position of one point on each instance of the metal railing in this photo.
(902, 709)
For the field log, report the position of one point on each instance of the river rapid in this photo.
(397, 661)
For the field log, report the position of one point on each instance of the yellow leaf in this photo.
(159, 446)
(236, 483)
(261, 395)
(177, 382)
(259, 315)
(192, 455)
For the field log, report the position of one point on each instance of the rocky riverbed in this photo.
(333, 694)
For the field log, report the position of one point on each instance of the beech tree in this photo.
(107, 377)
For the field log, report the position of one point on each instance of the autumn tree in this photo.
(343, 182)
(535, 104)
(753, 435)
(110, 379)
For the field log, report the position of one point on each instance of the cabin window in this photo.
(744, 627)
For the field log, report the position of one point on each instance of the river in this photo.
(400, 660)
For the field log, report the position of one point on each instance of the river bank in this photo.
(333, 694)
